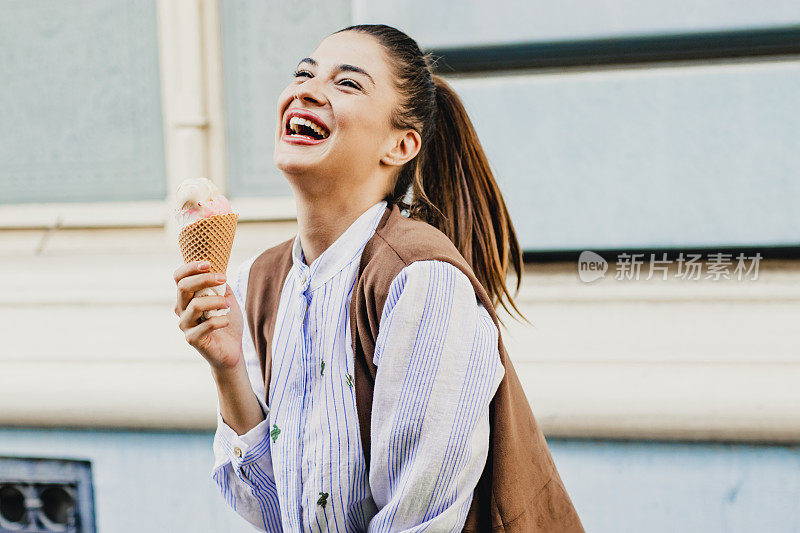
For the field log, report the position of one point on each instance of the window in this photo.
(81, 115)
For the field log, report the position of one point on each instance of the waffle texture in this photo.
(209, 239)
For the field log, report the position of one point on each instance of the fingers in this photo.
(188, 269)
(188, 286)
(195, 308)
(201, 281)
(196, 335)
(195, 267)
(192, 277)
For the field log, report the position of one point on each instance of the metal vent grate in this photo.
(46, 495)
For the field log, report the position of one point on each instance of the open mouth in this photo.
(300, 127)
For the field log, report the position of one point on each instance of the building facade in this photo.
(647, 133)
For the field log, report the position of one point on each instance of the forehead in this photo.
(353, 48)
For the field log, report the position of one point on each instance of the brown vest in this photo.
(520, 490)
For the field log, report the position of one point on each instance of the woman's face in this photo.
(346, 88)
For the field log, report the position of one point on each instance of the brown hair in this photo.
(452, 184)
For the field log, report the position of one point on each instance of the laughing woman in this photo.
(363, 384)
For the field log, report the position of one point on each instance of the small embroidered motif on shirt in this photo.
(323, 499)
(321, 367)
(349, 380)
(275, 432)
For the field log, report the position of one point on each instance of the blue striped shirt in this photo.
(438, 367)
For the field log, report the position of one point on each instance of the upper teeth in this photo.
(296, 122)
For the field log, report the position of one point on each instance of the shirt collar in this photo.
(338, 254)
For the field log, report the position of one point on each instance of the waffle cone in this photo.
(209, 239)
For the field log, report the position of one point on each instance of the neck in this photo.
(322, 219)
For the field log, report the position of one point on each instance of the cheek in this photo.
(364, 125)
(283, 101)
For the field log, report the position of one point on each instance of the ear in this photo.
(405, 147)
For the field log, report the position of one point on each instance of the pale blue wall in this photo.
(80, 102)
(511, 21)
(671, 157)
(660, 487)
(160, 482)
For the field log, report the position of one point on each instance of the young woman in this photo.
(368, 390)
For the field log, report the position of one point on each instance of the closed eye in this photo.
(353, 84)
(347, 82)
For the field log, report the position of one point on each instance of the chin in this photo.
(288, 162)
(295, 169)
(291, 165)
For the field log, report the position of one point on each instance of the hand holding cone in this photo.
(208, 229)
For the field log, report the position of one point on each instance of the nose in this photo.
(309, 91)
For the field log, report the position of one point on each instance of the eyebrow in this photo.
(343, 67)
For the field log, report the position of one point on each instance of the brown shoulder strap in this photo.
(370, 291)
(381, 262)
(264, 286)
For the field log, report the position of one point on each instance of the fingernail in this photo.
(205, 265)
(220, 277)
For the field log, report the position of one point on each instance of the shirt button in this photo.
(237, 451)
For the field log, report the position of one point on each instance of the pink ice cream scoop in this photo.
(199, 198)
(216, 205)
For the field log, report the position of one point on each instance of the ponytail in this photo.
(461, 198)
(452, 185)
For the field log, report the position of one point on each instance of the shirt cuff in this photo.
(248, 448)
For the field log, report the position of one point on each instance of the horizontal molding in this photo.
(618, 359)
(767, 252)
(144, 214)
(699, 46)
(728, 402)
(147, 394)
(82, 215)
(665, 402)
(631, 331)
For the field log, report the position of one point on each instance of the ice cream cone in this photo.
(210, 239)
